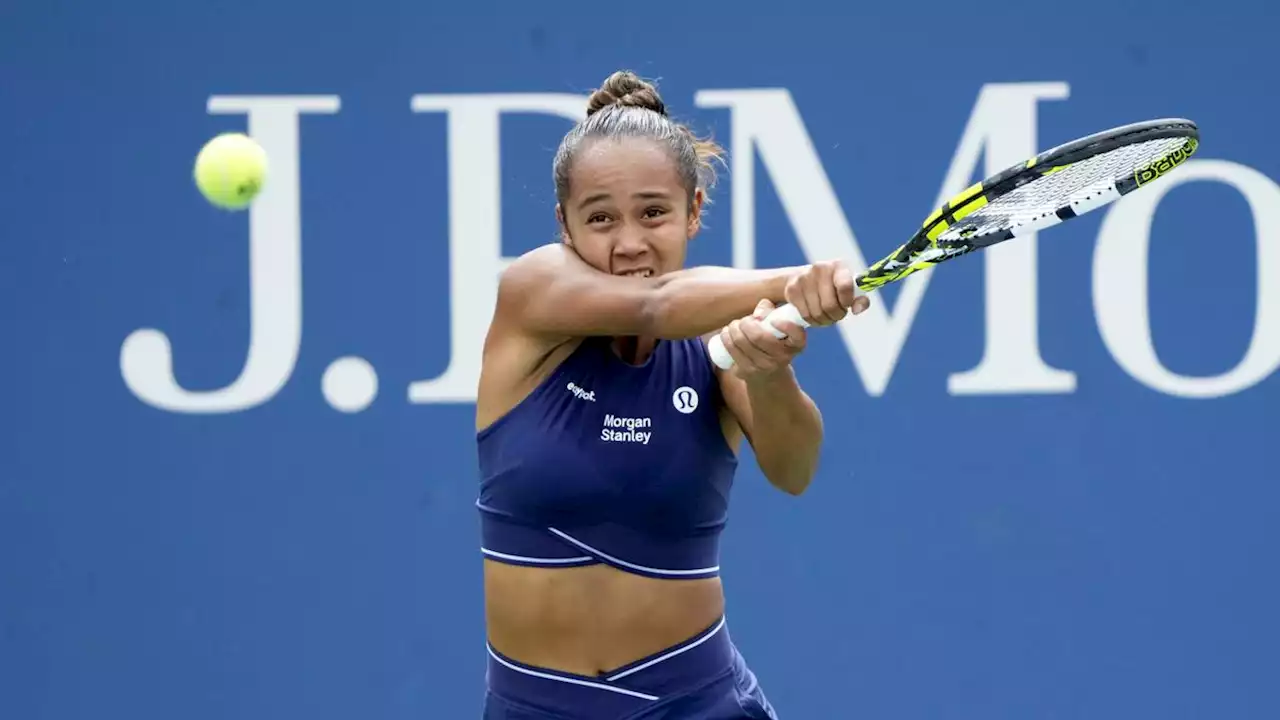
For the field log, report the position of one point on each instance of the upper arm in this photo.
(551, 291)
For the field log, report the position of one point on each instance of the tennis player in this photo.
(607, 438)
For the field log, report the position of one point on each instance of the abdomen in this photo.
(587, 620)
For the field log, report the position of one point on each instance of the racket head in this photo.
(1056, 185)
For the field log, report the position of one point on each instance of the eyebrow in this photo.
(646, 195)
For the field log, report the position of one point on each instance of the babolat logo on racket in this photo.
(1148, 173)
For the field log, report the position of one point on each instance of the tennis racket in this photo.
(1050, 188)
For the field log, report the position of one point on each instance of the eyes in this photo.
(649, 213)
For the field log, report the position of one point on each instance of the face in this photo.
(627, 212)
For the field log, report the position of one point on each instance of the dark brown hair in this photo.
(627, 106)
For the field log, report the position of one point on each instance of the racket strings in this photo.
(1075, 183)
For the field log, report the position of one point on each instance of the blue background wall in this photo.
(1103, 552)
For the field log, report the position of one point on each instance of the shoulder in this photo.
(521, 281)
(529, 276)
(537, 262)
(511, 353)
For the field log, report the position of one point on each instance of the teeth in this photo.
(637, 273)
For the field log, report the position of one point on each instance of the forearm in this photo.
(787, 430)
(693, 302)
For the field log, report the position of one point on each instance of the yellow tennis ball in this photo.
(231, 170)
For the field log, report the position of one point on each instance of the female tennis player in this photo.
(607, 438)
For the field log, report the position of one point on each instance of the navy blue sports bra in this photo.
(607, 462)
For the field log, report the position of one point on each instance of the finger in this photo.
(763, 308)
(832, 310)
(741, 363)
(750, 357)
(795, 337)
(845, 288)
(778, 351)
(813, 298)
(756, 340)
(795, 296)
(860, 304)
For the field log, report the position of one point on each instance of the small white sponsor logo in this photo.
(581, 394)
(685, 399)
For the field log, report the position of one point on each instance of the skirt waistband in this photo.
(679, 669)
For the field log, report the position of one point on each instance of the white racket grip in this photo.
(787, 313)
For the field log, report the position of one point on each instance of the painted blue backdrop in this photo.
(236, 450)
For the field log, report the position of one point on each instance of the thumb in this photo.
(763, 308)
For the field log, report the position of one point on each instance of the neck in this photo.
(634, 350)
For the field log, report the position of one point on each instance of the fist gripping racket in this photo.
(1050, 188)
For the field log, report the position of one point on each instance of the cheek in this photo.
(673, 240)
(591, 244)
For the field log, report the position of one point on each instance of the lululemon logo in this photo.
(685, 399)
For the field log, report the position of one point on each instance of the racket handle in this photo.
(787, 313)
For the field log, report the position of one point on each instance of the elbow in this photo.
(792, 472)
(789, 462)
(660, 314)
(651, 314)
(792, 478)
(793, 483)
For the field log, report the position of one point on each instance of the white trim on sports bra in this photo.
(533, 560)
(633, 566)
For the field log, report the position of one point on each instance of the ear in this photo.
(564, 229)
(695, 212)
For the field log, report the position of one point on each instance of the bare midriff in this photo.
(590, 620)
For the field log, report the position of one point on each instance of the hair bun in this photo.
(627, 89)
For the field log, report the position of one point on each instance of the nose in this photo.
(631, 242)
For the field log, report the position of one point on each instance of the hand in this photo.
(824, 293)
(756, 352)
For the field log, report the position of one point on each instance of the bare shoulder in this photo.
(520, 281)
(516, 358)
(537, 264)
(538, 280)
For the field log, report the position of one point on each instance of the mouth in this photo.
(640, 273)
